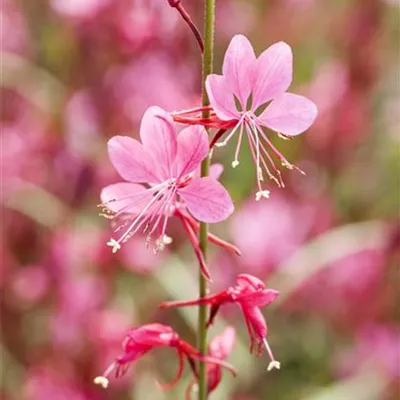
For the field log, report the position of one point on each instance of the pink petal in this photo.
(131, 160)
(260, 299)
(256, 320)
(248, 281)
(159, 138)
(290, 114)
(221, 97)
(216, 170)
(273, 73)
(207, 200)
(192, 149)
(239, 67)
(125, 196)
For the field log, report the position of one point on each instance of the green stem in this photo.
(209, 26)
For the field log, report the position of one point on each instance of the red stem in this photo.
(195, 244)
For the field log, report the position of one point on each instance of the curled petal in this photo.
(207, 200)
(290, 114)
(239, 67)
(273, 73)
(131, 160)
(159, 138)
(221, 97)
(173, 383)
(216, 361)
(192, 149)
(249, 281)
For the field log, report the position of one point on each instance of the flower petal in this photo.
(159, 138)
(215, 171)
(192, 149)
(260, 299)
(125, 196)
(207, 200)
(256, 320)
(273, 73)
(221, 97)
(131, 160)
(290, 114)
(239, 67)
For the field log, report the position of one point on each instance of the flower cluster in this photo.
(161, 179)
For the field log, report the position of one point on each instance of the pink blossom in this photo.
(239, 96)
(166, 163)
(249, 294)
(141, 340)
(377, 345)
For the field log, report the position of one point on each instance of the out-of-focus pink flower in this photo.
(30, 283)
(78, 8)
(166, 162)
(268, 235)
(351, 281)
(45, 383)
(141, 340)
(249, 294)
(375, 344)
(162, 82)
(13, 30)
(82, 124)
(247, 85)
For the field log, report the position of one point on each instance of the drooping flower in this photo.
(252, 95)
(166, 163)
(141, 340)
(219, 348)
(249, 294)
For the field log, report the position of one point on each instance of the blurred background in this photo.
(75, 73)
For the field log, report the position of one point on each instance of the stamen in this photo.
(102, 381)
(235, 163)
(226, 140)
(262, 193)
(273, 364)
(114, 244)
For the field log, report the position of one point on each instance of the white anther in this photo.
(274, 364)
(167, 239)
(102, 381)
(235, 163)
(262, 193)
(114, 244)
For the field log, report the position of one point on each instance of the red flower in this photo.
(249, 294)
(147, 337)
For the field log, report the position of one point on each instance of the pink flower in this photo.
(141, 340)
(249, 294)
(219, 348)
(166, 163)
(240, 95)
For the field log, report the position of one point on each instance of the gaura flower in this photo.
(141, 340)
(252, 95)
(249, 294)
(161, 181)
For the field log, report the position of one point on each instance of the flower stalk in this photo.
(207, 68)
